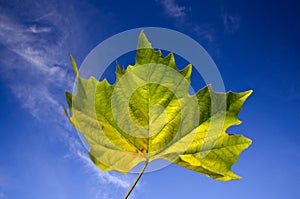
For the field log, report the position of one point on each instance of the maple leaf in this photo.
(148, 114)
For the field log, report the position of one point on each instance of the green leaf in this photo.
(148, 114)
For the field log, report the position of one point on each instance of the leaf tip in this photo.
(65, 111)
(74, 65)
(249, 92)
(187, 71)
(143, 41)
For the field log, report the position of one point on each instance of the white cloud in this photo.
(36, 48)
(104, 177)
(123, 182)
(36, 29)
(205, 32)
(33, 64)
(173, 9)
(79, 150)
(231, 22)
(6, 183)
(34, 97)
(35, 76)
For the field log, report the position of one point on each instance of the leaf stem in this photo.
(137, 179)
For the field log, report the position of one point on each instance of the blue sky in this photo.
(255, 45)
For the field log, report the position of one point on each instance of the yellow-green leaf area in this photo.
(148, 114)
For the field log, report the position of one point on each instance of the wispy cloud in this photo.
(231, 22)
(6, 183)
(78, 151)
(207, 36)
(205, 32)
(104, 177)
(123, 182)
(173, 9)
(33, 57)
(36, 29)
(32, 65)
